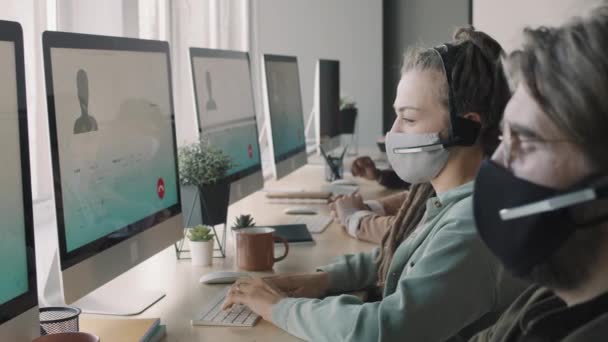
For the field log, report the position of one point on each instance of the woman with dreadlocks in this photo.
(438, 281)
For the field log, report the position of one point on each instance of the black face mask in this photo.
(523, 223)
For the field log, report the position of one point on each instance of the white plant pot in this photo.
(201, 252)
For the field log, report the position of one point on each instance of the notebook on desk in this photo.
(124, 330)
(318, 195)
(294, 233)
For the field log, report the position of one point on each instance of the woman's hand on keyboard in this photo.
(255, 293)
(308, 285)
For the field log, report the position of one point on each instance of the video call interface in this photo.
(226, 109)
(13, 249)
(285, 105)
(113, 119)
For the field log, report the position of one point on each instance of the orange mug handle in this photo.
(285, 243)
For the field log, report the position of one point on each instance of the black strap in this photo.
(463, 132)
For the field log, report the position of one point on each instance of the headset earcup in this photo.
(465, 131)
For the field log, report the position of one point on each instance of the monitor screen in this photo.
(17, 261)
(113, 144)
(225, 106)
(285, 106)
(329, 98)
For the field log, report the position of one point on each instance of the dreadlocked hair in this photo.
(479, 86)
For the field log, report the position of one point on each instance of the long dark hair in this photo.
(479, 86)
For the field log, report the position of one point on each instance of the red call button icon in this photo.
(160, 188)
(250, 151)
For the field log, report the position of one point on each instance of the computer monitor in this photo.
(284, 116)
(18, 293)
(226, 114)
(114, 156)
(327, 104)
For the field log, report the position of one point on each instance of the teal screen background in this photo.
(284, 97)
(236, 142)
(230, 123)
(112, 177)
(13, 252)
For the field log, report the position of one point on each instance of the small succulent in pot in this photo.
(243, 221)
(200, 233)
(201, 245)
(347, 116)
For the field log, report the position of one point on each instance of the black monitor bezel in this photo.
(55, 39)
(337, 131)
(288, 59)
(228, 54)
(12, 32)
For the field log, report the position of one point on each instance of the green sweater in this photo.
(441, 280)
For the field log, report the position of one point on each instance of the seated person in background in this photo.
(554, 146)
(365, 167)
(438, 280)
(367, 220)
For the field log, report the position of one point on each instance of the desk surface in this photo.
(186, 296)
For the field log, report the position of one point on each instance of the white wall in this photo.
(505, 20)
(35, 17)
(216, 24)
(91, 16)
(346, 30)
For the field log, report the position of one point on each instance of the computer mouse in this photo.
(347, 182)
(222, 277)
(300, 211)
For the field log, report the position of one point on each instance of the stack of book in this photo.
(124, 330)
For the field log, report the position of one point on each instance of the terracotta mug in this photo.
(255, 249)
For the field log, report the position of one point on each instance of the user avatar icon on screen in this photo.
(211, 105)
(85, 123)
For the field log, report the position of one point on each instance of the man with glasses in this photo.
(541, 203)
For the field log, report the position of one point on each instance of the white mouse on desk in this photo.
(222, 277)
(344, 182)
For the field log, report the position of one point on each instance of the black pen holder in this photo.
(334, 168)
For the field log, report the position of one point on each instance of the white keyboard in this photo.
(316, 224)
(237, 316)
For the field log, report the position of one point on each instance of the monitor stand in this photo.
(115, 301)
(117, 298)
(314, 141)
(124, 295)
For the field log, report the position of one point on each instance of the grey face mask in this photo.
(416, 158)
(419, 158)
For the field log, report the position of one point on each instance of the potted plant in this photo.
(201, 245)
(204, 166)
(243, 221)
(348, 115)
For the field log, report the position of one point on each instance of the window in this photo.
(184, 23)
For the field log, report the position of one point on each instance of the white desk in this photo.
(186, 296)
